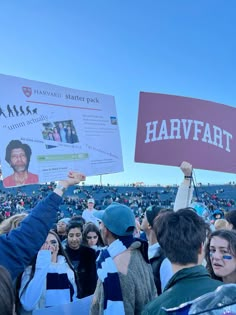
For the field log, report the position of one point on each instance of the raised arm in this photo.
(185, 191)
(19, 246)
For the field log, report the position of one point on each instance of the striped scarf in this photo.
(59, 289)
(108, 274)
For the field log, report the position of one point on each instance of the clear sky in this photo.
(122, 47)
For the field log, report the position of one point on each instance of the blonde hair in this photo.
(220, 224)
(11, 223)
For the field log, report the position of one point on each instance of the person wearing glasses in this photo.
(50, 280)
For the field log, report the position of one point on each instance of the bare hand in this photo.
(73, 179)
(46, 246)
(186, 168)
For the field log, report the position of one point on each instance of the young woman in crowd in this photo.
(221, 255)
(92, 237)
(20, 245)
(83, 259)
(50, 280)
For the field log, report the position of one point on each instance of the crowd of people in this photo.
(19, 200)
(131, 259)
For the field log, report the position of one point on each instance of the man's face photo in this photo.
(19, 160)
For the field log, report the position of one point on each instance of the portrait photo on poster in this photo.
(18, 156)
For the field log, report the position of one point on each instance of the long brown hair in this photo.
(7, 299)
(91, 227)
(61, 252)
(230, 237)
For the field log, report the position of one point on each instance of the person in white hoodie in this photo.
(50, 280)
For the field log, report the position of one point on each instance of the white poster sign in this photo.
(49, 130)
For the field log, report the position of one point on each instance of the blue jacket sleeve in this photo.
(19, 246)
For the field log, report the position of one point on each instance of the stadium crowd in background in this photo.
(134, 251)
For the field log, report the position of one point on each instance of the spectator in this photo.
(231, 218)
(217, 214)
(185, 190)
(182, 234)
(17, 248)
(83, 259)
(88, 214)
(220, 224)
(50, 280)
(220, 301)
(61, 228)
(7, 298)
(92, 237)
(221, 255)
(77, 218)
(161, 266)
(125, 281)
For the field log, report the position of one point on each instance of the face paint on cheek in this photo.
(227, 257)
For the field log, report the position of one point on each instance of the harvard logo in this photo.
(27, 91)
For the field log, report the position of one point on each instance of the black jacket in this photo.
(84, 261)
(156, 262)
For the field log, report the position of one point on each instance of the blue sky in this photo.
(180, 47)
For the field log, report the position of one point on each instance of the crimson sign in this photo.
(172, 129)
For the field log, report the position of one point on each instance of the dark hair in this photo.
(181, 235)
(231, 218)
(74, 225)
(91, 227)
(78, 218)
(17, 144)
(230, 237)
(7, 298)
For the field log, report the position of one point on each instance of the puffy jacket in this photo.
(18, 247)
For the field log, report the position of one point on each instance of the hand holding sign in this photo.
(186, 168)
(73, 179)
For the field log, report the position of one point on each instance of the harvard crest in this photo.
(27, 91)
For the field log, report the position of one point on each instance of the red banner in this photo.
(172, 129)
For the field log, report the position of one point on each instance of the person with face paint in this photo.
(221, 255)
(50, 280)
(19, 245)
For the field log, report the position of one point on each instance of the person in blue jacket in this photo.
(19, 246)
